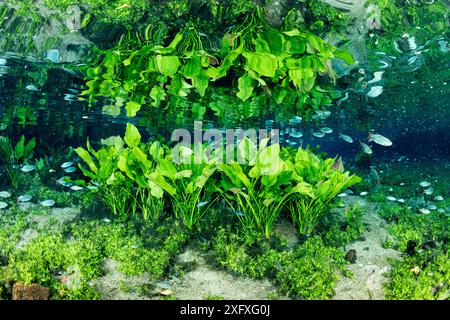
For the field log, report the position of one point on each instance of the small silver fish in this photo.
(28, 168)
(47, 203)
(296, 135)
(63, 182)
(364, 193)
(326, 130)
(379, 139)
(425, 184)
(31, 87)
(239, 213)
(401, 200)
(5, 194)
(428, 191)
(342, 195)
(70, 170)
(66, 165)
(365, 148)
(346, 138)
(76, 188)
(390, 198)
(322, 114)
(318, 134)
(438, 198)
(3, 205)
(424, 211)
(202, 204)
(295, 120)
(24, 198)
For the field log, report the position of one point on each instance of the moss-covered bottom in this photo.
(79, 251)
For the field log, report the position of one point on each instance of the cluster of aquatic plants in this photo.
(136, 179)
(68, 266)
(14, 155)
(307, 270)
(424, 271)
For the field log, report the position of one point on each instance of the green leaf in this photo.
(248, 150)
(167, 65)
(167, 169)
(132, 136)
(86, 157)
(20, 148)
(263, 63)
(132, 108)
(111, 110)
(193, 67)
(245, 85)
(142, 157)
(157, 94)
(29, 147)
(200, 83)
(345, 56)
(115, 141)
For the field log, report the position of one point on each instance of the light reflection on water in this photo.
(41, 100)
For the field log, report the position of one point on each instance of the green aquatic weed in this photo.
(317, 183)
(255, 190)
(14, 155)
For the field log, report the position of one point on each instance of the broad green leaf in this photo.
(142, 157)
(167, 65)
(157, 94)
(183, 174)
(264, 64)
(245, 85)
(248, 150)
(193, 67)
(200, 83)
(115, 141)
(20, 148)
(132, 107)
(132, 136)
(111, 110)
(86, 157)
(29, 147)
(275, 39)
(344, 55)
(304, 189)
(156, 150)
(167, 169)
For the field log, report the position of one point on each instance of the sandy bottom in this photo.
(369, 270)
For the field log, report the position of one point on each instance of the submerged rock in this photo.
(30, 292)
(351, 256)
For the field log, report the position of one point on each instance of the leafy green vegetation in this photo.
(257, 191)
(424, 272)
(252, 61)
(13, 156)
(68, 262)
(306, 271)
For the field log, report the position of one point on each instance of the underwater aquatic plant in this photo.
(255, 190)
(317, 184)
(189, 178)
(13, 156)
(124, 175)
